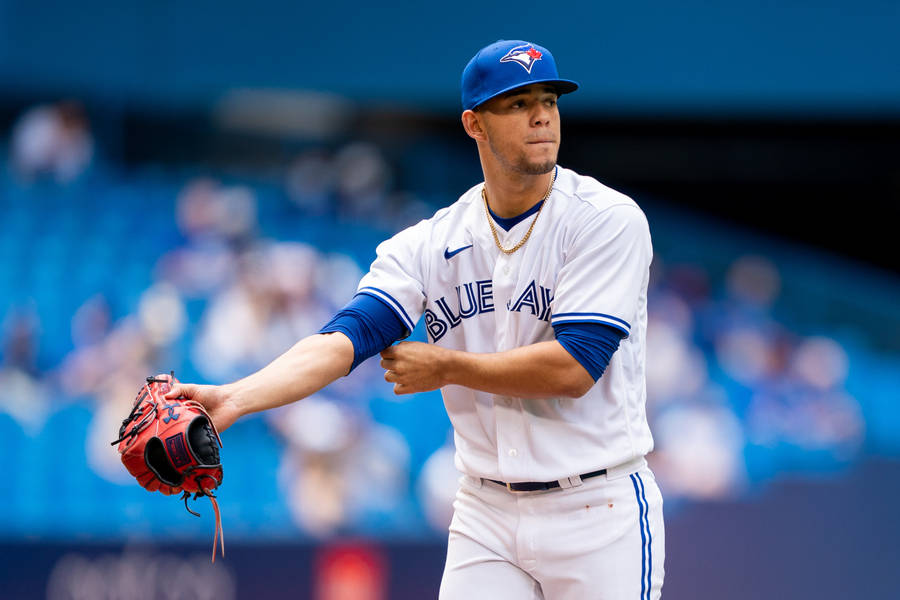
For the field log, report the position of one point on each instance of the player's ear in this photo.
(472, 124)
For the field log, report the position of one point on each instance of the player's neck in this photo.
(511, 194)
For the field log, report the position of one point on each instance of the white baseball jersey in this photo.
(587, 260)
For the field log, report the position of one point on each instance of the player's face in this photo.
(522, 129)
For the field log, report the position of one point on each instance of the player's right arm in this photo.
(371, 321)
(308, 366)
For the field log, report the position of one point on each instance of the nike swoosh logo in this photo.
(448, 255)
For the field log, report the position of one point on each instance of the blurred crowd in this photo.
(736, 396)
(732, 392)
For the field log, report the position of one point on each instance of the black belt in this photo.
(534, 486)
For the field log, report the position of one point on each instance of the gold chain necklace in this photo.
(521, 243)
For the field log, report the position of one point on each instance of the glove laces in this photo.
(219, 535)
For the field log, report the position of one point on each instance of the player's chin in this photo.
(538, 166)
(540, 159)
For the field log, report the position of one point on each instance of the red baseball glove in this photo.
(172, 446)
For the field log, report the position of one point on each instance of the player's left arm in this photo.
(542, 370)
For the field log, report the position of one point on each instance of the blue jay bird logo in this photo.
(525, 56)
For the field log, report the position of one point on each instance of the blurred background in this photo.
(196, 185)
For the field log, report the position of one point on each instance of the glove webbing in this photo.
(146, 419)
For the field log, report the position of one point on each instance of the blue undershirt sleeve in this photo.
(591, 344)
(370, 324)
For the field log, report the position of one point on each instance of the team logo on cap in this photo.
(525, 55)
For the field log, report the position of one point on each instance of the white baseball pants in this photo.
(601, 540)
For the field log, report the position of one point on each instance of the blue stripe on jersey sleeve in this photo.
(591, 344)
(587, 317)
(370, 323)
(572, 315)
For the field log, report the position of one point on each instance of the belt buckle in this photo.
(510, 488)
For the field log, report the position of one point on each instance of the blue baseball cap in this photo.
(506, 65)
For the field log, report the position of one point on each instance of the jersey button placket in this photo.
(509, 436)
(503, 287)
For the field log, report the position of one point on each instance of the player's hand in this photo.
(414, 367)
(214, 398)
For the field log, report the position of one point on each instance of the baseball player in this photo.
(533, 291)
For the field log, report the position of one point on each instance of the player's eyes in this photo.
(517, 104)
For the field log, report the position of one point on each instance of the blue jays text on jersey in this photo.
(476, 298)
